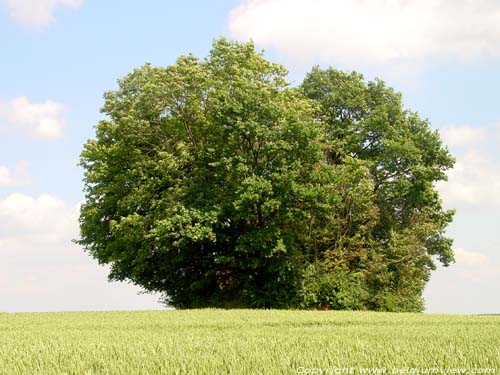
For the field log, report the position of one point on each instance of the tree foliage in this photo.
(216, 183)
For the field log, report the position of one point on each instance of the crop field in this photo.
(247, 342)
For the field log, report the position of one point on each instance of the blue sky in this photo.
(60, 56)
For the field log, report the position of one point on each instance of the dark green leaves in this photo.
(215, 183)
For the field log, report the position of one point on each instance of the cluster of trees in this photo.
(217, 183)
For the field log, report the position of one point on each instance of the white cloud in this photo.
(465, 287)
(473, 266)
(474, 182)
(37, 13)
(473, 189)
(375, 31)
(17, 176)
(41, 120)
(470, 258)
(44, 217)
(42, 270)
(463, 135)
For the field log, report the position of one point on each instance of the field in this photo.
(247, 342)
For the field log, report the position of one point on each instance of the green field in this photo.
(247, 342)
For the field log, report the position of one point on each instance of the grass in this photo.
(246, 342)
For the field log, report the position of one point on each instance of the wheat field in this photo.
(212, 341)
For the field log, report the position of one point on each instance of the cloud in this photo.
(41, 120)
(375, 31)
(44, 217)
(17, 176)
(37, 13)
(473, 266)
(470, 258)
(474, 182)
(463, 135)
(42, 270)
(465, 287)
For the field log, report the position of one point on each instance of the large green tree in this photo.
(215, 183)
(367, 121)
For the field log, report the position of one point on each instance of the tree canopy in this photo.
(217, 183)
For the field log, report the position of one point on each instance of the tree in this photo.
(215, 183)
(367, 121)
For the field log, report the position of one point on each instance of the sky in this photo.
(60, 56)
